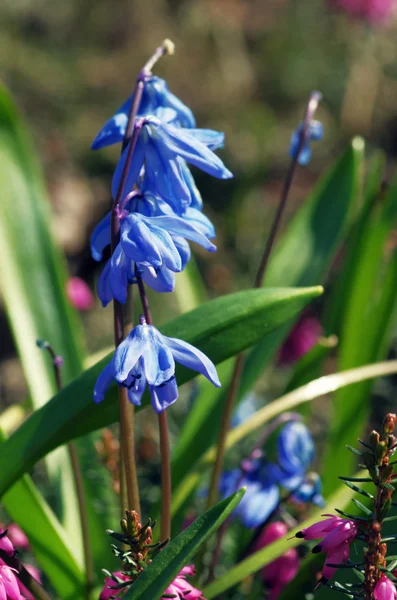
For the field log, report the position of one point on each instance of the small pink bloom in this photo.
(385, 589)
(17, 536)
(107, 592)
(374, 11)
(180, 588)
(318, 530)
(9, 589)
(270, 534)
(79, 294)
(5, 543)
(336, 556)
(301, 339)
(345, 532)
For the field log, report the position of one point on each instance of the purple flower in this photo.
(180, 588)
(148, 357)
(9, 589)
(385, 589)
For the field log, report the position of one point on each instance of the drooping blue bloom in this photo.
(159, 147)
(146, 357)
(316, 133)
(295, 448)
(155, 97)
(261, 497)
(310, 491)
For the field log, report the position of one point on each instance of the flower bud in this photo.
(389, 423)
(384, 589)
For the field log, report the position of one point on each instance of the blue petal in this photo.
(139, 243)
(189, 356)
(100, 237)
(289, 481)
(316, 131)
(166, 98)
(295, 447)
(305, 155)
(103, 382)
(135, 392)
(114, 129)
(158, 362)
(128, 353)
(133, 171)
(212, 139)
(103, 286)
(181, 143)
(200, 221)
(229, 481)
(162, 396)
(196, 200)
(257, 504)
(183, 250)
(180, 227)
(118, 275)
(162, 280)
(168, 251)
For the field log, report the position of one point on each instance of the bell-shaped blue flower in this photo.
(146, 357)
(310, 491)
(155, 97)
(295, 448)
(261, 497)
(316, 133)
(159, 147)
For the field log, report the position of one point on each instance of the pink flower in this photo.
(35, 573)
(180, 588)
(344, 532)
(107, 592)
(17, 536)
(374, 11)
(5, 543)
(79, 294)
(281, 571)
(385, 589)
(9, 589)
(301, 339)
(336, 556)
(318, 530)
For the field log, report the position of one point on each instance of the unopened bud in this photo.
(380, 451)
(389, 423)
(374, 439)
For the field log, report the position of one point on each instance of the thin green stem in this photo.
(34, 587)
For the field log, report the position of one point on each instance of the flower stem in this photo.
(239, 362)
(78, 481)
(37, 591)
(166, 483)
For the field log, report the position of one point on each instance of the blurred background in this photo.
(245, 68)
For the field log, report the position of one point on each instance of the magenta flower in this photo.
(374, 11)
(181, 589)
(301, 339)
(281, 571)
(35, 573)
(9, 589)
(385, 589)
(337, 534)
(79, 294)
(5, 543)
(17, 537)
(109, 588)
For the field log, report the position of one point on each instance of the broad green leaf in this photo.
(263, 557)
(47, 538)
(220, 328)
(370, 299)
(33, 276)
(306, 393)
(301, 257)
(164, 568)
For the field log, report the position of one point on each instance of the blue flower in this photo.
(261, 497)
(146, 357)
(295, 448)
(310, 491)
(159, 148)
(156, 95)
(316, 133)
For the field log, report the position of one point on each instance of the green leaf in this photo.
(34, 277)
(56, 558)
(164, 568)
(369, 296)
(263, 557)
(302, 257)
(220, 328)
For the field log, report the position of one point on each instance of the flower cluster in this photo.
(263, 479)
(157, 210)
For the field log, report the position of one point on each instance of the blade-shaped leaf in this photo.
(220, 328)
(164, 568)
